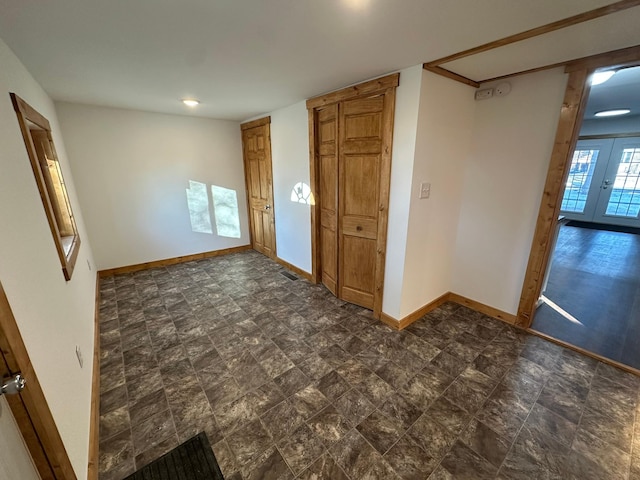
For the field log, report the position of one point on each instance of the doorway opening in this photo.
(590, 293)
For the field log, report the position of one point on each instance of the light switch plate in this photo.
(425, 190)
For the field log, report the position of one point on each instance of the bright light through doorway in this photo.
(561, 311)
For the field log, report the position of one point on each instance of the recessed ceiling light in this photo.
(600, 77)
(613, 113)
(191, 102)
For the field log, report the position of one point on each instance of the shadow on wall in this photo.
(225, 210)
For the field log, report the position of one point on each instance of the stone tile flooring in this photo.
(289, 382)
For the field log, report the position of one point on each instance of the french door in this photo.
(603, 185)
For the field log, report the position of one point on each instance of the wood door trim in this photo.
(567, 133)
(94, 426)
(388, 113)
(371, 87)
(255, 123)
(40, 421)
(534, 32)
(316, 258)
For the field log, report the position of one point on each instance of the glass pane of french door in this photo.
(587, 170)
(620, 190)
(579, 180)
(625, 196)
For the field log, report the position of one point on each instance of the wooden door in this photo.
(256, 145)
(327, 122)
(29, 407)
(350, 180)
(15, 461)
(361, 132)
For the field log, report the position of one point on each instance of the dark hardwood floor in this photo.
(595, 277)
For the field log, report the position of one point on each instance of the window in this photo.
(36, 133)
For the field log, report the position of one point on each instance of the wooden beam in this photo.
(367, 88)
(453, 76)
(524, 72)
(569, 123)
(534, 32)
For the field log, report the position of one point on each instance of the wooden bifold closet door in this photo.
(351, 162)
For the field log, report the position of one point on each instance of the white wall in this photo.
(290, 159)
(402, 157)
(611, 126)
(502, 188)
(132, 170)
(53, 315)
(445, 129)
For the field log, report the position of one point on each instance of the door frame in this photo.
(265, 121)
(386, 86)
(567, 134)
(30, 408)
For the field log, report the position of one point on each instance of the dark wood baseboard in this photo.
(293, 268)
(94, 425)
(412, 317)
(482, 308)
(171, 261)
(447, 297)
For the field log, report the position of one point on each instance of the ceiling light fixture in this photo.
(600, 77)
(191, 102)
(612, 113)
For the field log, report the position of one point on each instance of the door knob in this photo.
(13, 386)
(267, 207)
(606, 184)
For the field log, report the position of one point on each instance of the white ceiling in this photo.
(242, 58)
(620, 91)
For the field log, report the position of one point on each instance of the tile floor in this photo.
(595, 278)
(289, 382)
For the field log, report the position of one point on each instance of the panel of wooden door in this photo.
(256, 145)
(360, 154)
(29, 408)
(328, 198)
